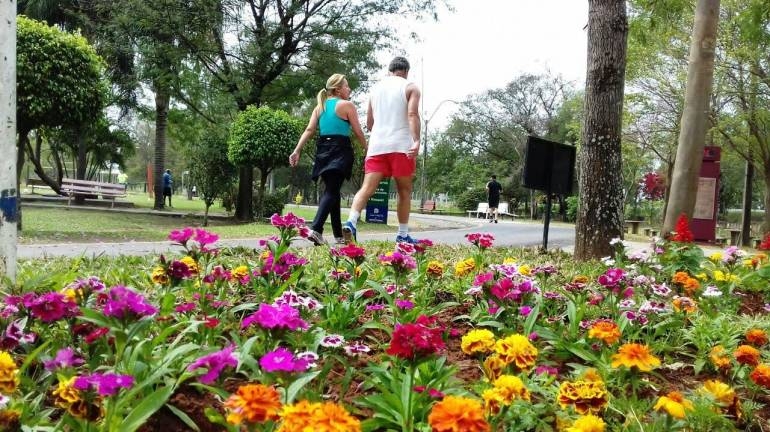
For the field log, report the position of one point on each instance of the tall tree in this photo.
(259, 50)
(600, 211)
(700, 77)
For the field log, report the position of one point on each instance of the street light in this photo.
(425, 150)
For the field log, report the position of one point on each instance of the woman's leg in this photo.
(333, 186)
(331, 197)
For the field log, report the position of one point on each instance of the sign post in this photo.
(704, 217)
(8, 191)
(377, 206)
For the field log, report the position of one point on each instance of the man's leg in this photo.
(368, 188)
(404, 207)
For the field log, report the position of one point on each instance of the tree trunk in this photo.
(244, 208)
(766, 221)
(9, 169)
(260, 204)
(600, 211)
(22, 144)
(748, 191)
(206, 214)
(34, 159)
(81, 163)
(692, 134)
(161, 122)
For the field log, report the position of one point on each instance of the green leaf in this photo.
(147, 407)
(298, 384)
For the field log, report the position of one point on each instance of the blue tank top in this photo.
(330, 123)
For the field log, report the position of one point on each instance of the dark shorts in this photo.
(333, 153)
(494, 202)
(166, 191)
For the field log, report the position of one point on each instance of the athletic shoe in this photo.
(317, 238)
(406, 239)
(495, 220)
(491, 220)
(339, 240)
(349, 232)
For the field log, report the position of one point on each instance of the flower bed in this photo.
(368, 337)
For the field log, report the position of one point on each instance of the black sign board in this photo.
(549, 166)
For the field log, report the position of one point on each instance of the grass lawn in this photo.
(53, 225)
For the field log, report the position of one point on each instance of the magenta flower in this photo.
(406, 248)
(179, 270)
(283, 266)
(270, 239)
(215, 363)
(351, 251)
(612, 277)
(14, 335)
(398, 261)
(276, 317)
(65, 358)
(404, 304)
(91, 283)
(123, 303)
(185, 307)
(422, 245)
(218, 273)
(290, 221)
(104, 384)
(95, 335)
(480, 240)
(181, 236)
(51, 307)
(205, 238)
(525, 310)
(282, 360)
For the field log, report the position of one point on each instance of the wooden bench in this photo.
(430, 207)
(72, 187)
(633, 225)
(735, 236)
(483, 208)
(32, 183)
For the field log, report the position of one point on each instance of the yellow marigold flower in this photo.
(702, 276)
(721, 392)
(509, 260)
(458, 414)
(750, 263)
(358, 271)
(190, 263)
(464, 267)
(9, 419)
(159, 276)
(761, 375)
(518, 350)
(605, 330)
(635, 355)
(747, 354)
(331, 417)
(239, 272)
(525, 270)
(253, 403)
(512, 387)
(680, 277)
(493, 366)
(298, 416)
(478, 341)
(719, 357)
(9, 373)
(719, 276)
(684, 304)
(435, 269)
(72, 294)
(580, 279)
(674, 404)
(587, 423)
(494, 400)
(591, 374)
(587, 397)
(756, 337)
(66, 394)
(716, 257)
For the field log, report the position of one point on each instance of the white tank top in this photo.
(390, 133)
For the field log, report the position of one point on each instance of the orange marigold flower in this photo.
(605, 330)
(719, 357)
(674, 404)
(518, 350)
(298, 416)
(253, 403)
(635, 355)
(331, 417)
(591, 374)
(680, 277)
(457, 414)
(691, 285)
(747, 354)
(587, 397)
(580, 279)
(756, 337)
(761, 375)
(685, 304)
(435, 269)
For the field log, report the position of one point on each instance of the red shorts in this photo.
(390, 165)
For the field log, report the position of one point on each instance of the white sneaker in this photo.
(316, 238)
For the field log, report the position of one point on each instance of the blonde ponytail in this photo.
(333, 83)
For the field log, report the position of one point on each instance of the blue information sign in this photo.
(377, 206)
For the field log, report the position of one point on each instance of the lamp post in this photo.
(425, 149)
(8, 192)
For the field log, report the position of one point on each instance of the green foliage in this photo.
(275, 202)
(572, 208)
(263, 137)
(470, 199)
(210, 169)
(59, 77)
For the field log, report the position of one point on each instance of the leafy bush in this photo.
(470, 199)
(274, 202)
(572, 208)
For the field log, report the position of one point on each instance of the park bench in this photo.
(430, 207)
(72, 187)
(503, 211)
(483, 208)
(32, 183)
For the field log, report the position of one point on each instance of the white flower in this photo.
(617, 240)
(332, 341)
(310, 357)
(608, 261)
(711, 291)
(474, 290)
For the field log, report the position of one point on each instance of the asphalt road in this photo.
(438, 228)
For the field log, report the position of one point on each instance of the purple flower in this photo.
(181, 236)
(65, 358)
(179, 270)
(51, 307)
(543, 369)
(332, 341)
(92, 283)
(356, 348)
(525, 310)
(282, 360)
(289, 221)
(375, 307)
(104, 384)
(124, 303)
(215, 363)
(404, 304)
(398, 261)
(14, 335)
(276, 317)
(185, 307)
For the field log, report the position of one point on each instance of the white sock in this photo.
(403, 230)
(353, 216)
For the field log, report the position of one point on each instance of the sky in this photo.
(484, 44)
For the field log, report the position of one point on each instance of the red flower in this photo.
(417, 340)
(682, 231)
(653, 186)
(765, 245)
